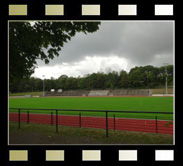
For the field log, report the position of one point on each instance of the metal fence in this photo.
(139, 121)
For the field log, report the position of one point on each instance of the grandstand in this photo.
(98, 93)
(119, 92)
(139, 92)
(68, 93)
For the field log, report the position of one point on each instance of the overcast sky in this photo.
(115, 46)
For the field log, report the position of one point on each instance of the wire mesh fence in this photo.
(138, 121)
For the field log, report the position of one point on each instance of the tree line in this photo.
(137, 78)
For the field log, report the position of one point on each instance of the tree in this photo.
(71, 83)
(162, 74)
(150, 76)
(100, 81)
(39, 40)
(135, 78)
(61, 81)
(123, 79)
(138, 77)
(170, 74)
(112, 80)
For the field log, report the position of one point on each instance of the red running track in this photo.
(139, 125)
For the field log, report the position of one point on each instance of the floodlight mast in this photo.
(166, 86)
(43, 85)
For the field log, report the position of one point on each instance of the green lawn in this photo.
(26, 93)
(162, 104)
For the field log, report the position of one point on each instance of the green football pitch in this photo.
(151, 104)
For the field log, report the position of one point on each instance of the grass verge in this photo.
(46, 134)
(26, 93)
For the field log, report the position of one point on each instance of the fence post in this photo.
(156, 124)
(51, 118)
(80, 120)
(57, 121)
(27, 117)
(114, 122)
(19, 118)
(106, 124)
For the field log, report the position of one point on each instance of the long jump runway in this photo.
(137, 125)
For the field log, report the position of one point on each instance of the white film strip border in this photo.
(92, 10)
(91, 155)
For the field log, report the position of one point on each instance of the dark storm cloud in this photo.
(141, 43)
